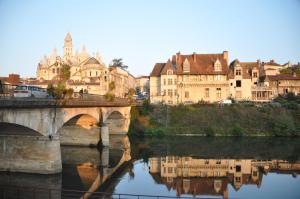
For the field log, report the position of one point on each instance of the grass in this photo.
(215, 120)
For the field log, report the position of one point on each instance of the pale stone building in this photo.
(190, 79)
(142, 84)
(87, 73)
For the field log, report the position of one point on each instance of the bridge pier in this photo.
(30, 154)
(78, 136)
(104, 135)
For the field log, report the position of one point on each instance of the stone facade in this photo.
(87, 73)
(208, 78)
(190, 79)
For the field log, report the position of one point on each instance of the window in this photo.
(217, 66)
(175, 81)
(53, 70)
(218, 77)
(169, 81)
(170, 93)
(164, 81)
(186, 94)
(170, 72)
(57, 70)
(186, 66)
(90, 73)
(238, 83)
(237, 179)
(254, 173)
(96, 73)
(218, 93)
(218, 162)
(175, 92)
(164, 92)
(238, 72)
(238, 168)
(255, 74)
(206, 92)
(206, 162)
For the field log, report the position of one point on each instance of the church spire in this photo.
(68, 47)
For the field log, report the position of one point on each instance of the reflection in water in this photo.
(172, 167)
(91, 172)
(195, 176)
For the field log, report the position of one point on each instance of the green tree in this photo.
(65, 73)
(118, 63)
(50, 90)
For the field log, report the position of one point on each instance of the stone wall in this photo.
(30, 154)
(79, 136)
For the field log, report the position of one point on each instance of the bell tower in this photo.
(68, 47)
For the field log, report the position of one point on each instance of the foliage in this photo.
(110, 97)
(118, 62)
(59, 91)
(111, 86)
(237, 130)
(131, 94)
(291, 70)
(50, 90)
(209, 131)
(65, 73)
(215, 120)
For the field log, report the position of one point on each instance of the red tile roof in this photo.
(284, 77)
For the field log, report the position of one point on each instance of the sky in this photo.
(146, 32)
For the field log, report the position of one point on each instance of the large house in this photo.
(208, 78)
(190, 79)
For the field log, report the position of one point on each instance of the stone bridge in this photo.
(39, 126)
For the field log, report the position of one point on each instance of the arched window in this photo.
(170, 72)
(218, 66)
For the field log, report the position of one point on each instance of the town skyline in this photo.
(140, 32)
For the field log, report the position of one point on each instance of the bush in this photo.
(110, 97)
(209, 131)
(236, 130)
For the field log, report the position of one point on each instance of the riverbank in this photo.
(242, 119)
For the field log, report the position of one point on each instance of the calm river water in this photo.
(202, 167)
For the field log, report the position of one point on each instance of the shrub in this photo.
(209, 131)
(236, 130)
(109, 97)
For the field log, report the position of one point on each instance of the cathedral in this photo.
(87, 73)
(83, 67)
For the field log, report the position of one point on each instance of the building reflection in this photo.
(188, 175)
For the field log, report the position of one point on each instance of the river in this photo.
(201, 167)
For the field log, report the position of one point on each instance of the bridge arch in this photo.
(117, 119)
(81, 129)
(16, 129)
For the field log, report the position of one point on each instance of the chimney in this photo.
(225, 55)
(194, 57)
(178, 57)
(272, 60)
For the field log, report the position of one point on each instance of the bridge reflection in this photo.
(84, 169)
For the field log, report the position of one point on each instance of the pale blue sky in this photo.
(145, 32)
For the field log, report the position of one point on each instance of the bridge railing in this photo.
(11, 192)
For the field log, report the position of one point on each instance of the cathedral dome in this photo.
(92, 60)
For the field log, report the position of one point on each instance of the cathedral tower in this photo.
(68, 47)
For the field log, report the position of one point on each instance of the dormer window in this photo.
(170, 72)
(218, 66)
(238, 72)
(186, 66)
